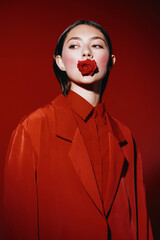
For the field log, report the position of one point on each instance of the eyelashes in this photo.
(97, 46)
(73, 46)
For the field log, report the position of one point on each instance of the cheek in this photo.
(69, 60)
(103, 61)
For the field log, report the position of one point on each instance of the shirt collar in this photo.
(83, 108)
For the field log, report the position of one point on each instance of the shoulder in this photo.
(37, 125)
(35, 119)
(41, 116)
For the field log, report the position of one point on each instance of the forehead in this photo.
(84, 31)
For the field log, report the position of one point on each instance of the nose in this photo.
(86, 52)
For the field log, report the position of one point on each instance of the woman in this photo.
(72, 171)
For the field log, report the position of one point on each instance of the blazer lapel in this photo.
(66, 128)
(82, 164)
(117, 160)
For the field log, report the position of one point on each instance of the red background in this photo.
(29, 32)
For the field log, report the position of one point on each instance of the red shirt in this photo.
(92, 124)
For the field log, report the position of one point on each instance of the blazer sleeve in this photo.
(143, 220)
(20, 188)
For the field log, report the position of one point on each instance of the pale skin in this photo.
(83, 42)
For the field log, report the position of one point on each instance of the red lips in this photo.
(87, 67)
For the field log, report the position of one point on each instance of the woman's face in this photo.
(84, 42)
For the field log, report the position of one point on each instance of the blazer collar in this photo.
(64, 119)
(114, 128)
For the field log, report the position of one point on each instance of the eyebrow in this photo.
(92, 38)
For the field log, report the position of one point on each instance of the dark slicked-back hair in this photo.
(62, 77)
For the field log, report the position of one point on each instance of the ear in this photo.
(113, 57)
(60, 63)
(111, 62)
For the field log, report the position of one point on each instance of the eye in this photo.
(73, 46)
(97, 46)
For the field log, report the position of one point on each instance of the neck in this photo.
(90, 94)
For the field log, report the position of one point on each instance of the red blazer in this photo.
(50, 190)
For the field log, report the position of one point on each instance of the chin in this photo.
(91, 79)
(87, 82)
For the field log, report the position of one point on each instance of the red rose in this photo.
(87, 67)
